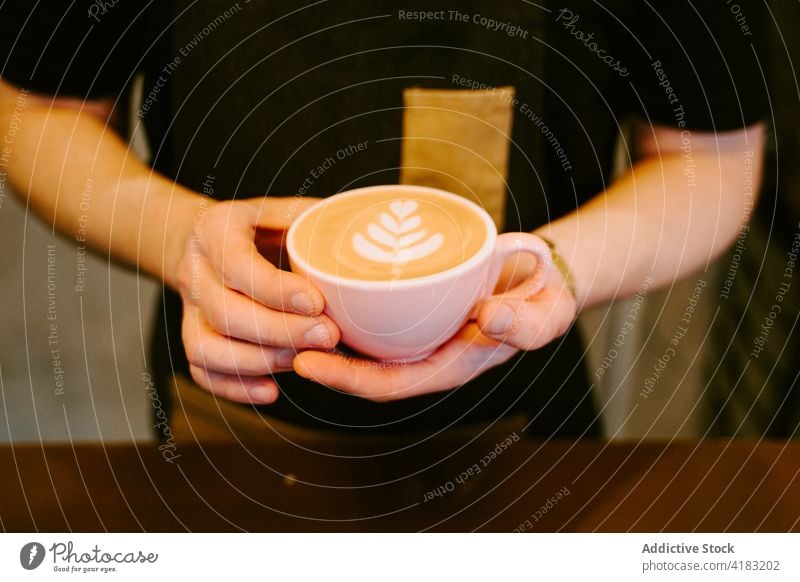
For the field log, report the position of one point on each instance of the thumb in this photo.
(278, 213)
(516, 318)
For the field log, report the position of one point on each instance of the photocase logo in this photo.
(31, 555)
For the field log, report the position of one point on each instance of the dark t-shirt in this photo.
(251, 97)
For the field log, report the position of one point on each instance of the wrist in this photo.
(177, 214)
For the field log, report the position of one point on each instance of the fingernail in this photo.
(262, 395)
(285, 358)
(302, 303)
(501, 321)
(318, 336)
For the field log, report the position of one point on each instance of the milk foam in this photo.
(389, 235)
(398, 238)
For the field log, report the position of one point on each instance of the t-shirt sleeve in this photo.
(75, 48)
(698, 64)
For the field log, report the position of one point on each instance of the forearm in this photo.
(664, 219)
(81, 177)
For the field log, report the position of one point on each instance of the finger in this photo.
(235, 315)
(205, 348)
(273, 218)
(529, 323)
(377, 381)
(464, 357)
(231, 249)
(516, 270)
(243, 389)
(278, 213)
(522, 323)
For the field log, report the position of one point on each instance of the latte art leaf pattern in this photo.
(398, 238)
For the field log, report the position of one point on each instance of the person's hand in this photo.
(244, 318)
(509, 321)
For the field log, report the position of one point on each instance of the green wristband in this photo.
(561, 265)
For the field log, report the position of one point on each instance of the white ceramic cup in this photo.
(408, 319)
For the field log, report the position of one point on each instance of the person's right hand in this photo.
(243, 318)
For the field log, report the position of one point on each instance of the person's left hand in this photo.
(506, 323)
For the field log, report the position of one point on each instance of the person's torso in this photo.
(274, 99)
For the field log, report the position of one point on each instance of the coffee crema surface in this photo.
(385, 236)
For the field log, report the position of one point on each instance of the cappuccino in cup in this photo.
(402, 267)
(389, 235)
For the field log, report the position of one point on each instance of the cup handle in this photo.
(520, 242)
